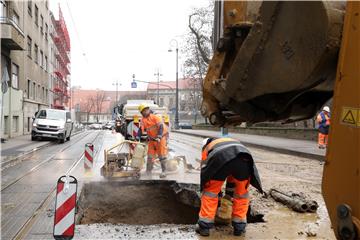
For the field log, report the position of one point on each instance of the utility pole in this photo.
(117, 84)
(177, 82)
(177, 88)
(158, 74)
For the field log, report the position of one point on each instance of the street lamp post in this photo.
(117, 84)
(158, 74)
(177, 83)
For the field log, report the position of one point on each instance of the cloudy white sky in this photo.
(119, 38)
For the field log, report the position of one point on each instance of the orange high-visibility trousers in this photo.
(209, 201)
(157, 149)
(322, 140)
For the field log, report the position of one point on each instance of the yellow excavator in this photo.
(282, 61)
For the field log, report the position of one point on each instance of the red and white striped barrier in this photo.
(65, 205)
(89, 156)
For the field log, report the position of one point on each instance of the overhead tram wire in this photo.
(77, 33)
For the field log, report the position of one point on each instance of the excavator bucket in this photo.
(274, 60)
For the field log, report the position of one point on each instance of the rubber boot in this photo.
(202, 231)
(163, 168)
(239, 228)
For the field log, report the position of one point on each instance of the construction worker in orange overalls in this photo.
(323, 119)
(156, 135)
(225, 159)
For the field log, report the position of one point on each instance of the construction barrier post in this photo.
(89, 156)
(65, 207)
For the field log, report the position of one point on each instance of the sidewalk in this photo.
(303, 148)
(18, 146)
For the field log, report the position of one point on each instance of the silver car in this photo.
(52, 123)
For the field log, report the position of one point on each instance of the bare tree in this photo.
(88, 107)
(198, 46)
(197, 50)
(98, 101)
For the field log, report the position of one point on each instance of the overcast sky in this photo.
(118, 38)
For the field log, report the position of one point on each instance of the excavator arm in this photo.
(281, 61)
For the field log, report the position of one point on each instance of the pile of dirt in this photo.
(143, 203)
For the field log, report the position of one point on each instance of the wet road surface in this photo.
(28, 197)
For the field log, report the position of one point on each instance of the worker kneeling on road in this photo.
(225, 159)
(156, 134)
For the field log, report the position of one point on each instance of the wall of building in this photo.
(35, 83)
(12, 104)
(32, 91)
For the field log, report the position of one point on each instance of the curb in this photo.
(12, 158)
(269, 148)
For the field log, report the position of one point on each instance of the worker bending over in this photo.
(323, 119)
(156, 135)
(225, 159)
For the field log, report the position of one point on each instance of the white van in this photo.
(52, 123)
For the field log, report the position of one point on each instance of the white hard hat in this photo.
(326, 109)
(204, 142)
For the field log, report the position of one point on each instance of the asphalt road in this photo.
(27, 192)
(28, 184)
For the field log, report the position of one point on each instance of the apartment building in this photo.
(35, 84)
(12, 67)
(35, 49)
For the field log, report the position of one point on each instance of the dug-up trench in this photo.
(139, 203)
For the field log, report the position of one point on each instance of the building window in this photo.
(43, 94)
(29, 46)
(28, 88)
(15, 124)
(46, 31)
(28, 124)
(161, 102)
(36, 53)
(171, 102)
(15, 76)
(41, 24)
(46, 95)
(15, 18)
(46, 64)
(41, 63)
(38, 92)
(36, 15)
(30, 7)
(3, 10)
(34, 91)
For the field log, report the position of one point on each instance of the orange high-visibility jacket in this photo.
(221, 151)
(151, 125)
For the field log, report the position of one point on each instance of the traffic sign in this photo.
(133, 84)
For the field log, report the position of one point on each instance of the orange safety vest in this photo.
(151, 125)
(211, 145)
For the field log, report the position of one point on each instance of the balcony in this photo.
(12, 37)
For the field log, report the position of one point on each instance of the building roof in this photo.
(82, 97)
(186, 83)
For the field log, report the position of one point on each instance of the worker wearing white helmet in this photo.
(323, 120)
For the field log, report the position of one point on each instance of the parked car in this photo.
(52, 123)
(95, 126)
(185, 125)
(109, 125)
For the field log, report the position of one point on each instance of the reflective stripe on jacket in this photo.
(151, 125)
(221, 151)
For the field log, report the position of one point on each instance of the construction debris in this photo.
(294, 201)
